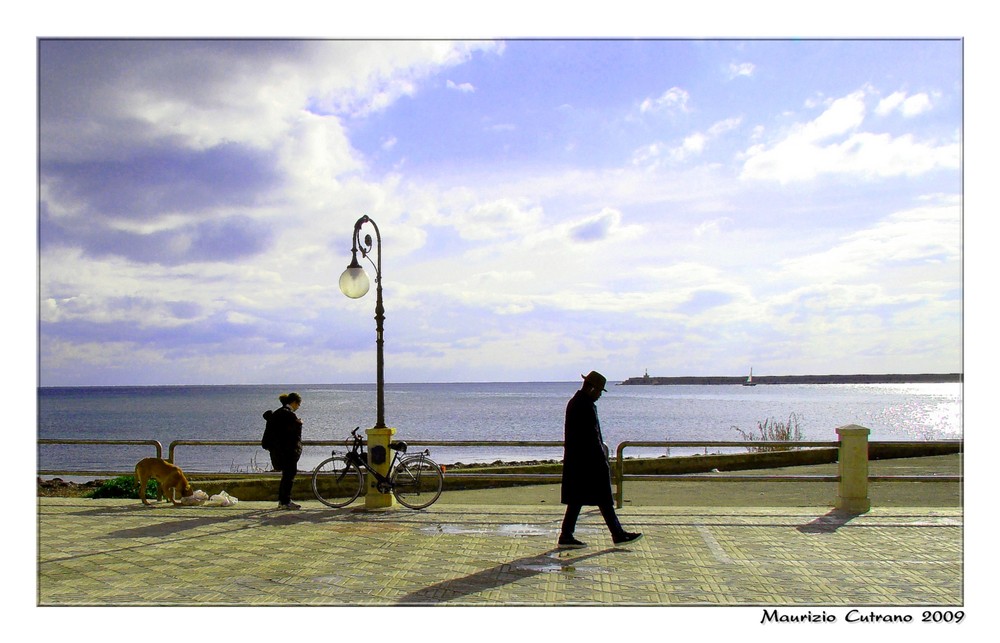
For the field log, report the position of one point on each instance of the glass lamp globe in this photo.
(354, 282)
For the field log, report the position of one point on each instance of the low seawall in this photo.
(265, 486)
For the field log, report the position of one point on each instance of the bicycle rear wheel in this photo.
(337, 482)
(417, 482)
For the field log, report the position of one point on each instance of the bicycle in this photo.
(415, 480)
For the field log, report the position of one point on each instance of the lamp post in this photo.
(355, 284)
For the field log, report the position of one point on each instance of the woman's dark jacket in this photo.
(283, 433)
(586, 475)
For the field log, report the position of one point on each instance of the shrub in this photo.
(123, 487)
(770, 430)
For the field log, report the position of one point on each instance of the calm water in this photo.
(499, 411)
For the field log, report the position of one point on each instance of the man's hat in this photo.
(596, 380)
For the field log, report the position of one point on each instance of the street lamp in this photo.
(354, 283)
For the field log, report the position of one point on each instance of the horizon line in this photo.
(299, 384)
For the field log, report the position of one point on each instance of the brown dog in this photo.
(170, 477)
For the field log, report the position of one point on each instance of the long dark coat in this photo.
(586, 476)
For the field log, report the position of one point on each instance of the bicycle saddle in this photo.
(398, 446)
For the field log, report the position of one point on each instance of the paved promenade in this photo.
(118, 552)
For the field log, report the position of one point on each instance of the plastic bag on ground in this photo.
(196, 498)
(222, 499)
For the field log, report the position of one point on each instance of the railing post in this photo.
(620, 478)
(852, 494)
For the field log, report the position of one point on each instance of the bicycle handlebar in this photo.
(355, 440)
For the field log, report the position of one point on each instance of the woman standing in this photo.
(283, 439)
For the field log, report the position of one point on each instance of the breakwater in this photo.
(891, 378)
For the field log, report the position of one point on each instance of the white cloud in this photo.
(210, 92)
(890, 103)
(741, 69)
(929, 234)
(916, 105)
(496, 219)
(908, 106)
(724, 126)
(465, 88)
(692, 145)
(674, 99)
(842, 116)
(833, 144)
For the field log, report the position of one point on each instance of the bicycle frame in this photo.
(359, 457)
(414, 479)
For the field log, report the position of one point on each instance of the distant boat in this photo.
(750, 381)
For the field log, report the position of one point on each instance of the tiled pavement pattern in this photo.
(118, 552)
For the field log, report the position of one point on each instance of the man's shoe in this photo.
(626, 537)
(568, 542)
(290, 505)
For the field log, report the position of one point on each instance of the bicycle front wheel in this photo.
(417, 482)
(337, 482)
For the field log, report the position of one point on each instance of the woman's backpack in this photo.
(269, 440)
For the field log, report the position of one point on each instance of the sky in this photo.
(546, 207)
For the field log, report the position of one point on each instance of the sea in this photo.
(487, 412)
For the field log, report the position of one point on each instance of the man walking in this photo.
(586, 474)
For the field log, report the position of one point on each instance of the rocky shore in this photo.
(59, 488)
(890, 378)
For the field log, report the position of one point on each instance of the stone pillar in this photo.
(378, 443)
(852, 494)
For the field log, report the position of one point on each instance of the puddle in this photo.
(552, 564)
(498, 530)
(522, 530)
(547, 568)
(451, 529)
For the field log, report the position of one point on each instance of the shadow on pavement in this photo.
(554, 560)
(828, 523)
(174, 523)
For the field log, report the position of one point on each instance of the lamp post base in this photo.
(380, 458)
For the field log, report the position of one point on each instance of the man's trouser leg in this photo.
(611, 519)
(607, 510)
(569, 520)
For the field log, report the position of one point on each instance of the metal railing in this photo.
(100, 473)
(521, 477)
(717, 477)
(619, 476)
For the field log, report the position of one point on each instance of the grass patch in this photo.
(123, 487)
(771, 430)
